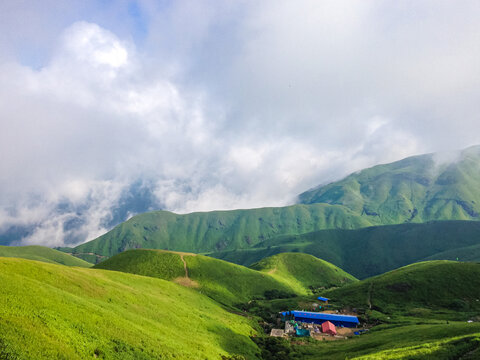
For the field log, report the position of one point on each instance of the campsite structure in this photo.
(329, 328)
(320, 318)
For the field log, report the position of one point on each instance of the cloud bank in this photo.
(196, 106)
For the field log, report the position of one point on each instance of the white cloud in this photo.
(221, 106)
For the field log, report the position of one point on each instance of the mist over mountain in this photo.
(75, 222)
(217, 106)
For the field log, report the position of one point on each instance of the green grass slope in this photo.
(54, 312)
(431, 285)
(228, 283)
(224, 282)
(216, 230)
(303, 271)
(416, 189)
(467, 253)
(374, 250)
(42, 253)
(413, 342)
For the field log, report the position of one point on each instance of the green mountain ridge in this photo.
(374, 250)
(216, 230)
(414, 190)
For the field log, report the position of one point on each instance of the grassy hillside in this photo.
(224, 282)
(229, 283)
(300, 271)
(374, 250)
(416, 189)
(467, 253)
(42, 253)
(428, 285)
(411, 342)
(217, 230)
(55, 312)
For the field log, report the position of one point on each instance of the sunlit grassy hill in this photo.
(229, 283)
(55, 312)
(42, 253)
(301, 271)
(225, 282)
(429, 284)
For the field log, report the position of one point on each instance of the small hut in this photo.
(329, 328)
(324, 299)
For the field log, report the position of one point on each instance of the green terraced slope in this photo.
(303, 271)
(229, 283)
(429, 284)
(416, 189)
(216, 230)
(55, 312)
(42, 253)
(374, 250)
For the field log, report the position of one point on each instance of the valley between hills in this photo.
(397, 246)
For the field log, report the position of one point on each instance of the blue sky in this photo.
(220, 104)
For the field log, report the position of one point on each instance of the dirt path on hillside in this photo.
(184, 266)
(369, 298)
(185, 281)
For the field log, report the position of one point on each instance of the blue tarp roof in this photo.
(322, 298)
(323, 316)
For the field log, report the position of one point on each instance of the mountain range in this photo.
(405, 204)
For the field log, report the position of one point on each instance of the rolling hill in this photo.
(374, 250)
(50, 311)
(42, 253)
(229, 283)
(429, 284)
(414, 190)
(300, 271)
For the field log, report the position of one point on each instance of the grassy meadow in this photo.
(55, 312)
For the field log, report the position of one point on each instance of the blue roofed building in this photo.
(321, 298)
(320, 318)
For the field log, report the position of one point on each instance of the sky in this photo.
(203, 105)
